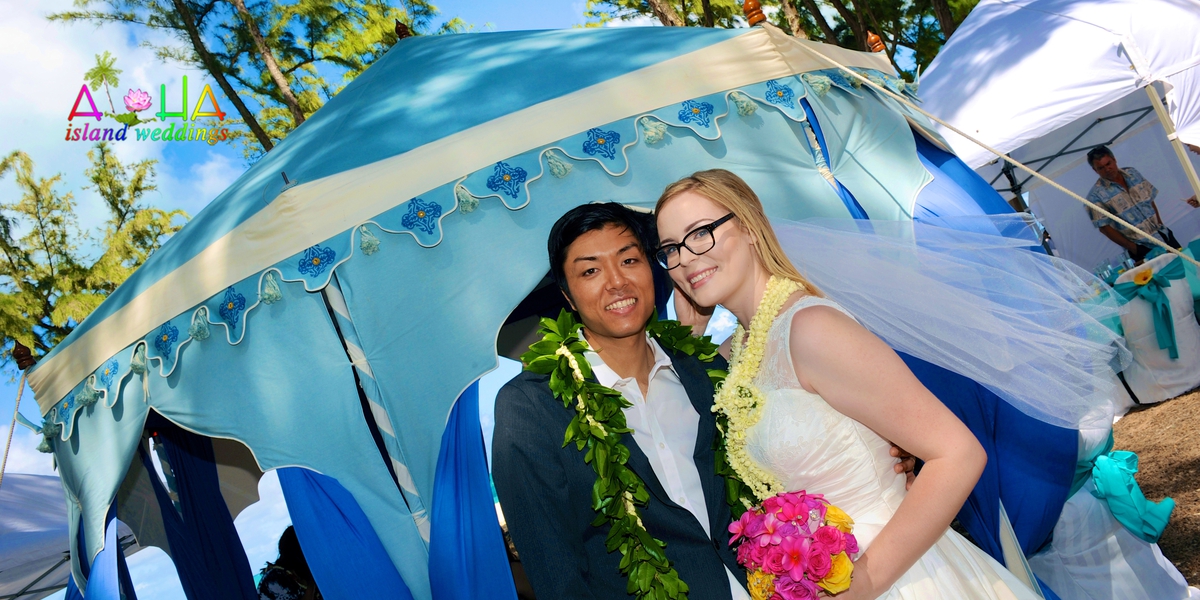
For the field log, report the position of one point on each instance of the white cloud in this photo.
(41, 86)
(721, 326)
(23, 456)
(638, 21)
(261, 523)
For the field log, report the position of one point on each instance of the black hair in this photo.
(1097, 153)
(593, 217)
(291, 556)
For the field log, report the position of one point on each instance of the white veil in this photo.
(968, 294)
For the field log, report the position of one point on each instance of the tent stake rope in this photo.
(1007, 158)
(12, 426)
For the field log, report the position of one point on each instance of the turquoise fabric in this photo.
(1084, 468)
(1115, 485)
(1153, 292)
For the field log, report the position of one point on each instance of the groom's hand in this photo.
(907, 465)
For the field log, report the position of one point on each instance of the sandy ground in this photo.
(1166, 438)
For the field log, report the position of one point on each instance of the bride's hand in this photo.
(690, 313)
(861, 586)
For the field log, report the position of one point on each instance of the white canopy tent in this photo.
(1046, 80)
(34, 551)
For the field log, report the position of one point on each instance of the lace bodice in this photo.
(811, 446)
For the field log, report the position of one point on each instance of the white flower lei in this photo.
(739, 399)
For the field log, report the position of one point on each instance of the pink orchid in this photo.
(737, 529)
(137, 101)
(795, 556)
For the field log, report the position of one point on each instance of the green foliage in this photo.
(909, 24)
(48, 282)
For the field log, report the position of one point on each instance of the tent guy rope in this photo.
(12, 426)
(1000, 154)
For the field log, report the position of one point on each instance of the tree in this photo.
(48, 283)
(104, 73)
(271, 60)
(913, 29)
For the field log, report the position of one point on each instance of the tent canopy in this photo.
(1018, 70)
(413, 221)
(1047, 80)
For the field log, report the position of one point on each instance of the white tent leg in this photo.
(1169, 127)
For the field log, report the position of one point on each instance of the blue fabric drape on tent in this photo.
(1030, 467)
(467, 558)
(205, 546)
(988, 199)
(343, 551)
(110, 578)
(852, 205)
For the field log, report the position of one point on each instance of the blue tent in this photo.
(328, 309)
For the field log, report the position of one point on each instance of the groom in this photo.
(599, 257)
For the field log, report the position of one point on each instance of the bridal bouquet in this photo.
(793, 546)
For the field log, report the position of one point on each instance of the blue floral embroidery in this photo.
(422, 215)
(108, 373)
(315, 261)
(602, 142)
(507, 179)
(167, 335)
(699, 113)
(778, 93)
(234, 303)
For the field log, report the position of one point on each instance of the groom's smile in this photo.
(610, 282)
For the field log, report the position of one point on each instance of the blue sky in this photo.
(42, 66)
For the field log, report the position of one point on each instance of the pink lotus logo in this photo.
(137, 101)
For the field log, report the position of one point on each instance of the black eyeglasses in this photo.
(697, 241)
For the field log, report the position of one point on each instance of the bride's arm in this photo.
(861, 377)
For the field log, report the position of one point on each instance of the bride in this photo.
(831, 396)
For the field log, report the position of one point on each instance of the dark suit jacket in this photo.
(545, 491)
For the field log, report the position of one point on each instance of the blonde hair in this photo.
(733, 194)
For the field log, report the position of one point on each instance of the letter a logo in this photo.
(85, 93)
(215, 112)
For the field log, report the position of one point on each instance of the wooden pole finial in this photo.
(402, 31)
(23, 356)
(753, 11)
(874, 42)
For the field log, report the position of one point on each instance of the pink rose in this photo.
(796, 589)
(773, 562)
(773, 504)
(851, 542)
(820, 561)
(829, 537)
(758, 553)
(741, 527)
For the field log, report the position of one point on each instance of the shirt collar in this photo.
(606, 377)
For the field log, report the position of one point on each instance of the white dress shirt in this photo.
(664, 425)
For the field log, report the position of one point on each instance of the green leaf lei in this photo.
(598, 425)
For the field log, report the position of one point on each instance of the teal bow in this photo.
(1116, 487)
(1154, 293)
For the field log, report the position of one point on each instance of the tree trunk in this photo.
(214, 69)
(268, 57)
(945, 17)
(706, 6)
(852, 20)
(793, 19)
(666, 13)
(110, 102)
(815, 12)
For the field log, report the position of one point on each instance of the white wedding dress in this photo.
(810, 446)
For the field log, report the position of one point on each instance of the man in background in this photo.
(1125, 193)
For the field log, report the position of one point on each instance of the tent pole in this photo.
(1169, 127)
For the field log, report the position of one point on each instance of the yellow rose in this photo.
(836, 517)
(1143, 277)
(838, 579)
(760, 584)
